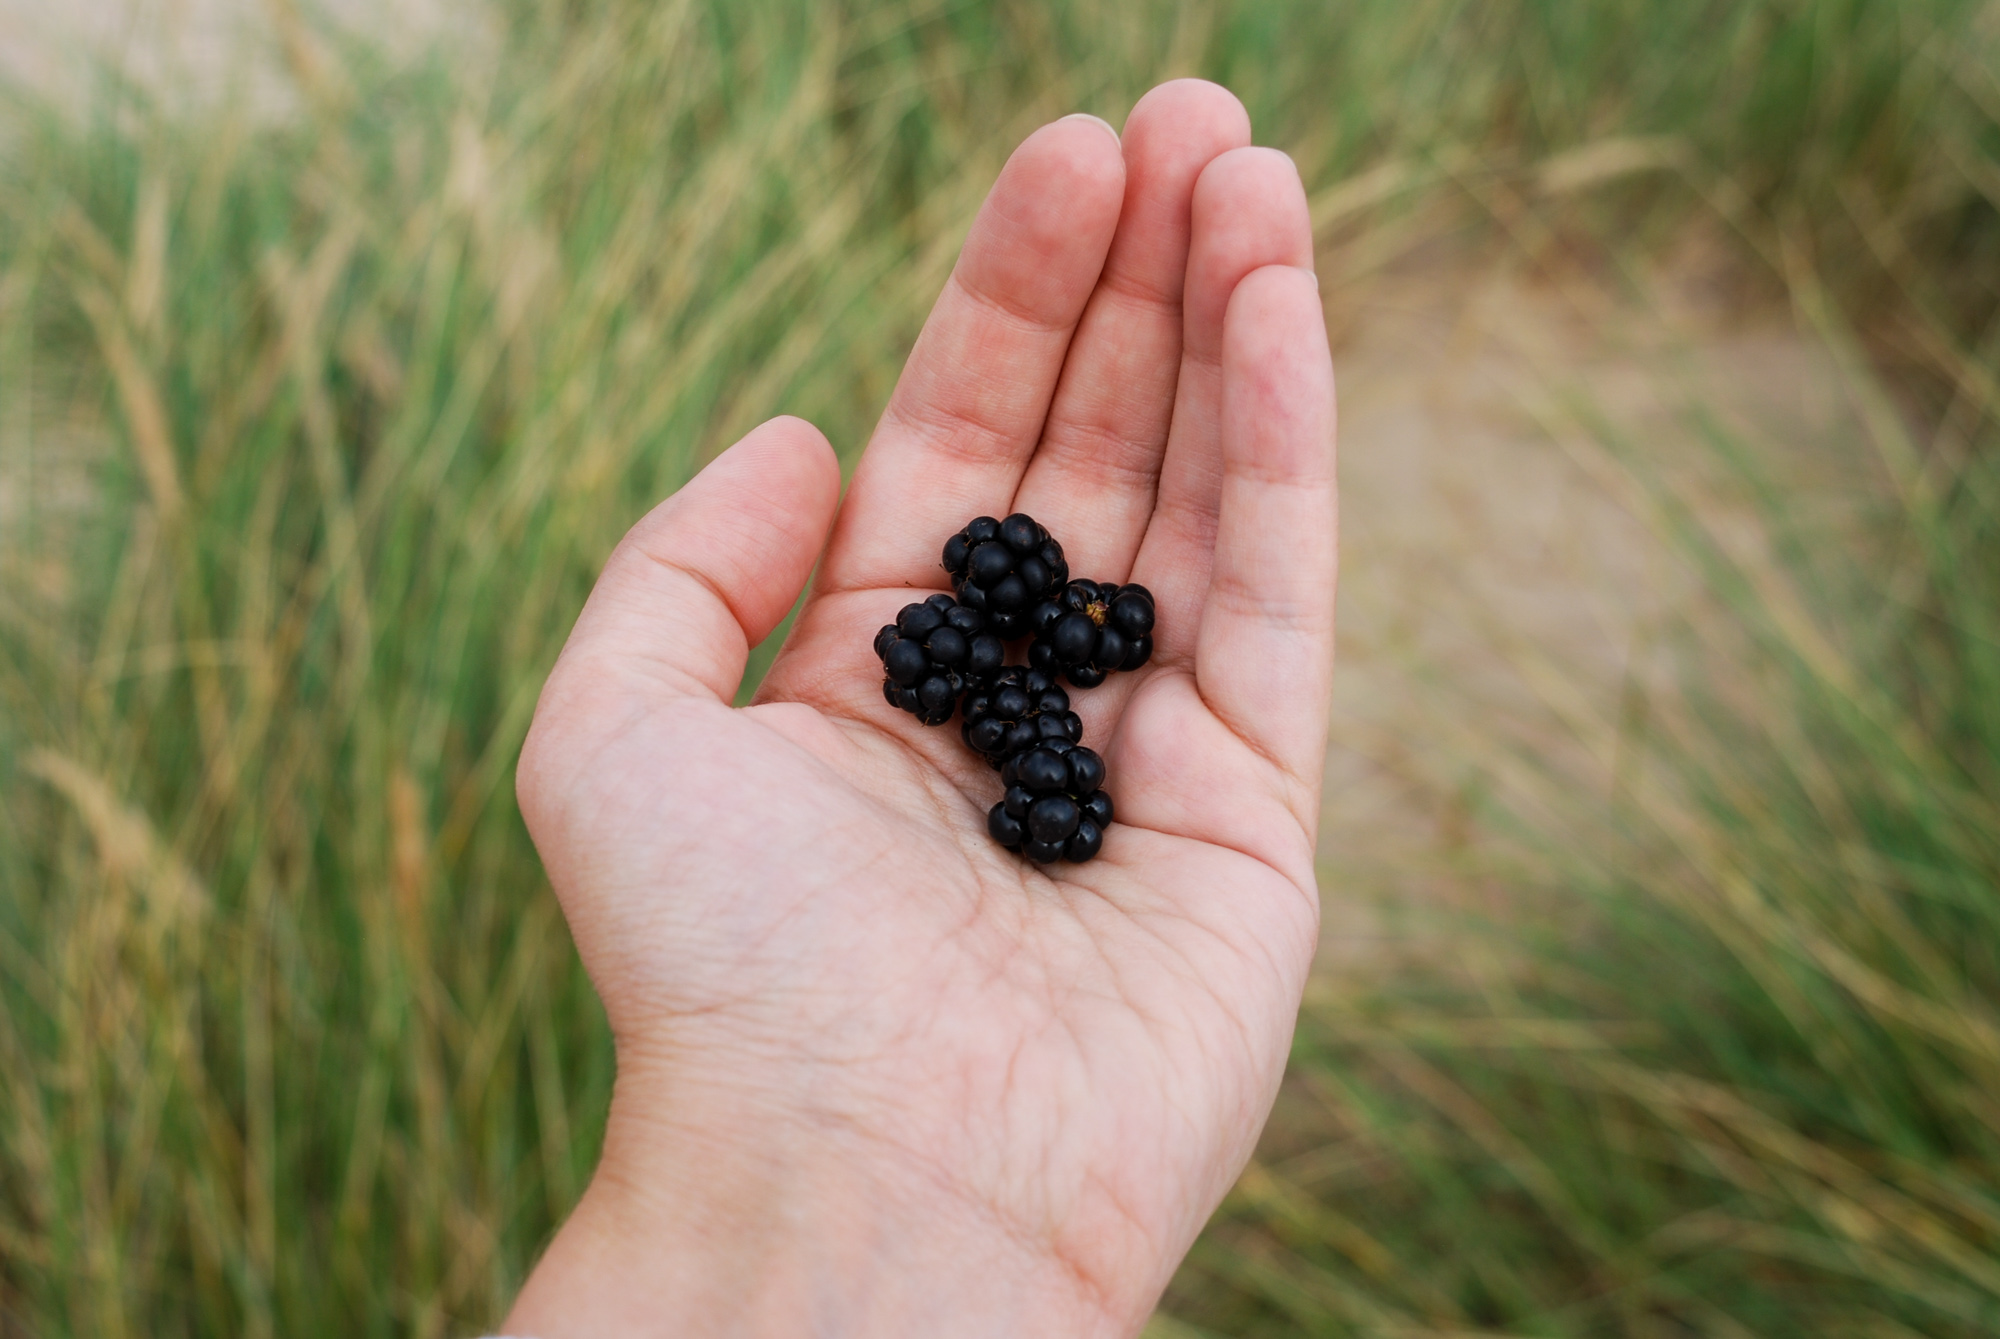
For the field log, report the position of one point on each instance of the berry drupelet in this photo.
(1091, 629)
(932, 653)
(1055, 807)
(1003, 569)
(1016, 710)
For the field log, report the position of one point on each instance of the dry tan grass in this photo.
(1496, 579)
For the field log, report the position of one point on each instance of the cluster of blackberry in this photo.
(1010, 580)
(932, 653)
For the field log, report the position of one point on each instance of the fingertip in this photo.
(1256, 176)
(792, 426)
(1277, 287)
(1037, 247)
(797, 457)
(1274, 308)
(1174, 132)
(1249, 210)
(1108, 128)
(1184, 101)
(1275, 350)
(1073, 160)
(761, 511)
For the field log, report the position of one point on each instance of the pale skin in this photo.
(876, 1075)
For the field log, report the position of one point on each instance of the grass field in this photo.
(314, 428)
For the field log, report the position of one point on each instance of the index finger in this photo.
(968, 410)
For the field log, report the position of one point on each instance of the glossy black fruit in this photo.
(1005, 828)
(1091, 629)
(1015, 710)
(1097, 809)
(1053, 818)
(1004, 569)
(1055, 800)
(1085, 842)
(932, 654)
(1041, 772)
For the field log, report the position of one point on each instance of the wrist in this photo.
(721, 1216)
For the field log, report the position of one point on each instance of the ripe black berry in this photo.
(1092, 629)
(932, 654)
(1015, 710)
(1004, 569)
(1055, 807)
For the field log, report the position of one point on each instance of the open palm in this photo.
(876, 1074)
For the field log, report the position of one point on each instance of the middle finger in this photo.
(1093, 476)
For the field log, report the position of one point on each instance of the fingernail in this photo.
(1109, 129)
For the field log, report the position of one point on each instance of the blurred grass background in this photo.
(314, 426)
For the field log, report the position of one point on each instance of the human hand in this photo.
(876, 1074)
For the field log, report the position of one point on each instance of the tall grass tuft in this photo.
(313, 430)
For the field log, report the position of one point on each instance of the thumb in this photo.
(708, 573)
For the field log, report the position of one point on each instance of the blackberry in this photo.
(1055, 807)
(1091, 629)
(1004, 569)
(932, 653)
(1016, 710)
